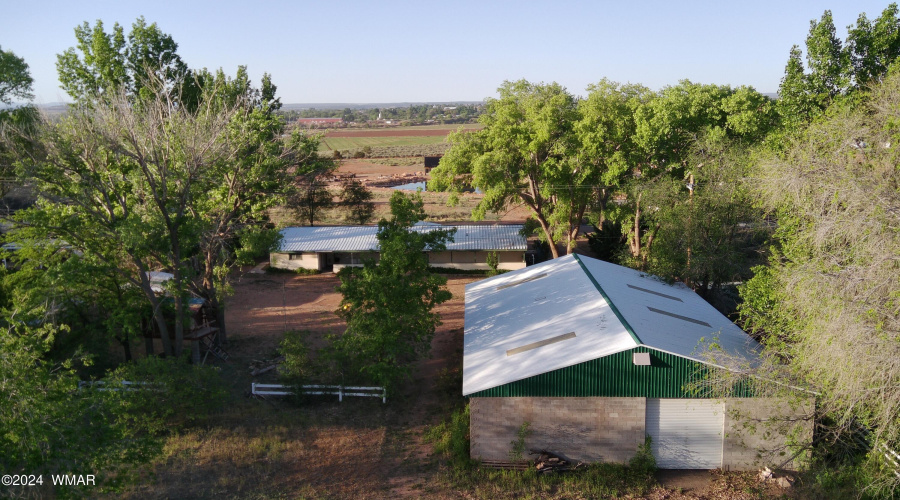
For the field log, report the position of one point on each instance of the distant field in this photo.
(424, 130)
(393, 141)
(358, 142)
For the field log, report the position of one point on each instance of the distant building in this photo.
(314, 122)
(331, 248)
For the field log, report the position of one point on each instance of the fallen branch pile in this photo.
(258, 367)
(548, 462)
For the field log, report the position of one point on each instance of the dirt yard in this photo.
(264, 306)
(360, 448)
(366, 168)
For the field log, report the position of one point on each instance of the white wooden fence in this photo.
(338, 390)
(893, 457)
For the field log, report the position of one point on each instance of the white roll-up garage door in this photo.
(686, 433)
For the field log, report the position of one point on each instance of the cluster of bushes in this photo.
(417, 150)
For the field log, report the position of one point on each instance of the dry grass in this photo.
(276, 451)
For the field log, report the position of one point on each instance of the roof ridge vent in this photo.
(523, 280)
(646, 290)
(540, 343)
(678, 316)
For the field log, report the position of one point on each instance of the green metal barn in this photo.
(595, 356)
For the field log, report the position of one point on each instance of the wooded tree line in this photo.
(632, 161)
(796, 199)
(415, 114)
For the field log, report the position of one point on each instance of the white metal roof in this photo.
(363, 238)
(553, 315)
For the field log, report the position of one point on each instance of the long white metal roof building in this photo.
(364, 238)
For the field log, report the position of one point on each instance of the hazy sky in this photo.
(391, 51)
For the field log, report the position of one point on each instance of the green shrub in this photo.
(110, 429)
(450, 439)
(472, 272)
(493, 261)
(172, 393)
(255, 243)
(643, 464)
(297, 367)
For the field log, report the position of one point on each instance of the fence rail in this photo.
(337, 390)
(893, 457)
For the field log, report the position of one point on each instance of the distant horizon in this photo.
(293, 105)
(339, 105)
(413, 52)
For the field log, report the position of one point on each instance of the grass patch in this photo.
(591, 481)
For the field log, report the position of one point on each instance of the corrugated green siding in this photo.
(616, 375)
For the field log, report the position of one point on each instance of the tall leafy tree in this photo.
(389, 305)
(311, 197)
(357, 200)
(671, 128)
(157, 185)
(522, 155)
(796, 104)
(874, 46)
(836, 69)
(122, 179)
(606, 148)
(826, 59)
(16, 123)
(15, 79)
(201, 157)
(103, 63)
(706, 236)
(252, 180)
